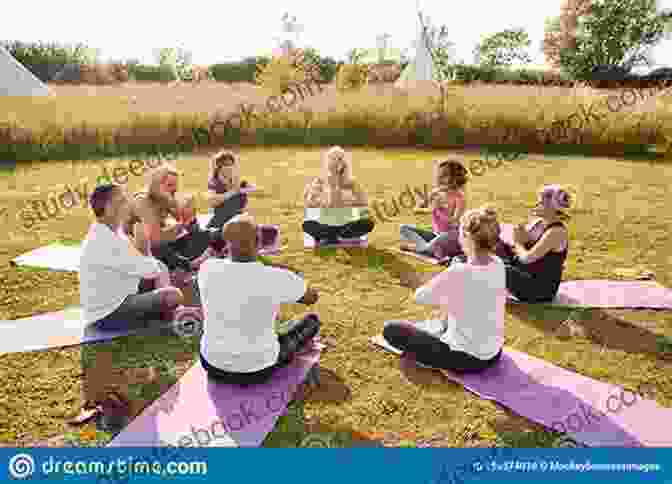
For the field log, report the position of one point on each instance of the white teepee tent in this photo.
(421, 68)
(16, 80)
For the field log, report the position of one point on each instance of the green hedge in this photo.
(45, 59)
(244, 71)
(474, 73)
(147, 73)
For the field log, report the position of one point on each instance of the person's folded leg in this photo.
(227, 210)
(290, 344)
(295, 340)
(356, 229)
(445, 244)
(419, 237)
(321, 232)
(526, 287)
(138, 310)
(428, 349)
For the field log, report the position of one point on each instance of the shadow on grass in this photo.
(599, 327)
(379, 260)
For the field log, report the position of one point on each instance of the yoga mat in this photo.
(309, 243)
(57, 257)
(335, 216)
(60, 257)
(58, 330)
(229, 415)
(424, 258)
(611, 294)
(595, 413)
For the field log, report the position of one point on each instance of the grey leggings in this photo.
(136, 311)
(427, 242)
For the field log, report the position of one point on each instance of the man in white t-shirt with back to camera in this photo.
(241, 299)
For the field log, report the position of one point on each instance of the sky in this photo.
(228, 31)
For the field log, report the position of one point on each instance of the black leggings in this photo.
(332, 233)
(177, 254)
(228, 209)
(429, 350)
(522, 284)
(290, 344)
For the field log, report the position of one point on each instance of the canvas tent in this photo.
(16, 80)
(421, 68)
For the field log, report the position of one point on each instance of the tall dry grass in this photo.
(382, 115)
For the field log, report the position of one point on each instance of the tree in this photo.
(177, 59)
(560, 32)
(503, 48)
(615, 33)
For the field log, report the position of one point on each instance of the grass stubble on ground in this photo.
(620, 221)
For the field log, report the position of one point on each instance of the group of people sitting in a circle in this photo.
(136, 243)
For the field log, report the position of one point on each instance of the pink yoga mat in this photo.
(309, 243)
(612, 294)
(595, 413)
(196, 407)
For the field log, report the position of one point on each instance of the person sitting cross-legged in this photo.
(113, 272)
(336, 189)
(240, 299)
(114, 282)
(472, 294)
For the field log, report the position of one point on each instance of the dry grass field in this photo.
(621, 220)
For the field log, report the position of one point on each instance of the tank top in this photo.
(549, 268)
(441, 217)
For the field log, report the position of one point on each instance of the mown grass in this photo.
(621, 220)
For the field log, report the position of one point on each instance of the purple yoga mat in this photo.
(592, 412)
(196, 408)
(611, 294)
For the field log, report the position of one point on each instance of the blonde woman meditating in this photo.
(472, 294)
(336, 189)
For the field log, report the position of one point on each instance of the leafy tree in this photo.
(608, 33)
(503, 48)
(560, 32)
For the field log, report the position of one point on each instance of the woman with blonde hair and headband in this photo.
(336, 188)
(535, 261)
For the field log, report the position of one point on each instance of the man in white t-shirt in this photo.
(113, 272)
(241, 299)
(472, 295)
(114, 293)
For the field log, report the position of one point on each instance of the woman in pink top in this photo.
(470, 334)
(447, 206)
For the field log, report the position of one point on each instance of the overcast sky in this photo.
(219, 31)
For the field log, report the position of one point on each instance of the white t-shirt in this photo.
(110, 271)
(475, 298)
(240, 302)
